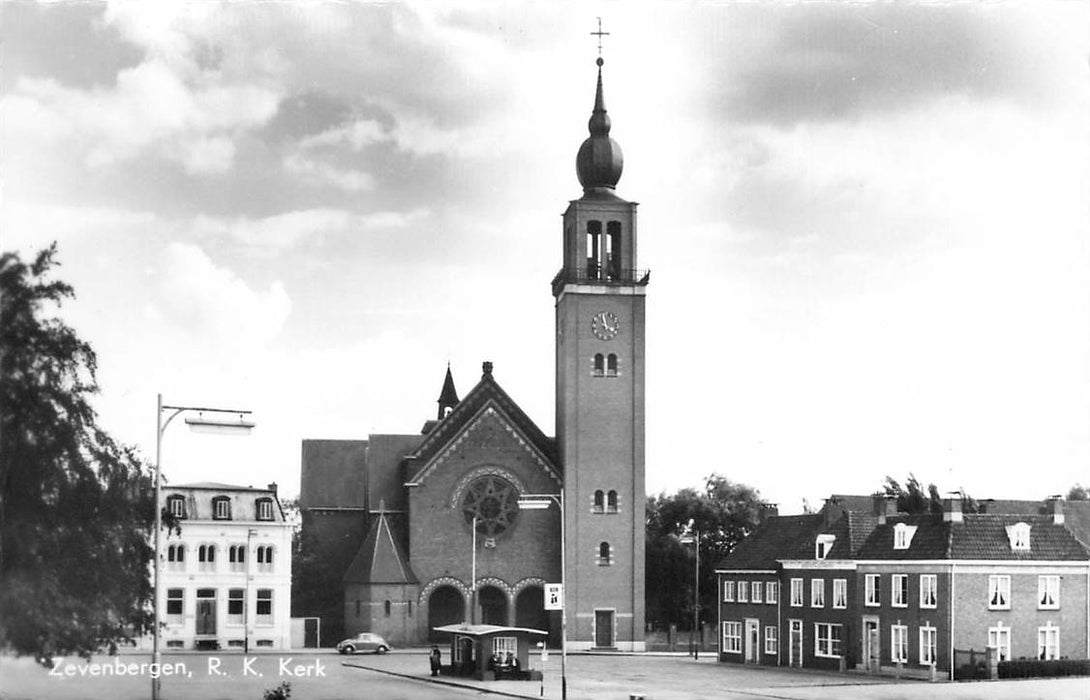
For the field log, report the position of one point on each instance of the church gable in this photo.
(489, 436)
(474, 418)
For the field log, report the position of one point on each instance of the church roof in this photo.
(486, 391)
(380, 559)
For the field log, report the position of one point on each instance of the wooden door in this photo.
(206, 616)
(603, 628)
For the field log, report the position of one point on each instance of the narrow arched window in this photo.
(604, 558)
(387, 606)
(611, 365)
(599, 365)
(599, 501)
(594, 237)
(236, 557)
(613, 250)
(611, 502)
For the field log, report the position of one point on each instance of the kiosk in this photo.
(491, 652)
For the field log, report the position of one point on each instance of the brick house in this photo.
(806, 561)
(900, 591)
(933, 583)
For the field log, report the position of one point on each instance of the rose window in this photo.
(494, 501)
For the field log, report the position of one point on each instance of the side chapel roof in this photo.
(380, 559)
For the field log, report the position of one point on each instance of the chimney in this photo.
(830, 513)
(1056, 507)
(486, 369)
(884, 507)
(272, 487)
(766, 511)
(951, 508)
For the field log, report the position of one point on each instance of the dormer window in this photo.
(822, 545)
(176, 506)
(1018, 534)
(221, 508)
(264, 509)
(902, 535)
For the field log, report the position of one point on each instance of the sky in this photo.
(867, 224)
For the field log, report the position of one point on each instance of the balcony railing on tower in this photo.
(598, 274)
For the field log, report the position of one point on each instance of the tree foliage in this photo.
(912, 498)
(76, 507)
(723, 512)
(317, 587)
(1078, 492)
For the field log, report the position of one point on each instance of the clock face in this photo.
(605, 325)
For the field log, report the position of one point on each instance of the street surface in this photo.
(403, 674)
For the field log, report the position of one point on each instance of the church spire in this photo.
(448, 397)
(599, 162)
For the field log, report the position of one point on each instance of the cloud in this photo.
(838, 61)
(214, 304)
(274, 235)
(319, 174)
(150, 109)
(357, 134)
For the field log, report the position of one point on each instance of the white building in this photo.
(226, 578)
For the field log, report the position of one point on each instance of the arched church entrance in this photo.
(446, 606)
(530, 612)
(493, 604)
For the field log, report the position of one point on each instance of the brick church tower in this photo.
(600, 300)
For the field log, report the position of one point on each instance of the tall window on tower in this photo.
(613, 250)
(594, 252)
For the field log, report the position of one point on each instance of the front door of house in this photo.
(795, 647)
(206, 611)
(872, 644)
(753, 639)
(603, 628)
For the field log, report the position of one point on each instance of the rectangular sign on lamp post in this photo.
(554, 596)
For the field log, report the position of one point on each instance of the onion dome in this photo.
(600, 161)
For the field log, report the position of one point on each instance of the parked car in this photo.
(364, 641)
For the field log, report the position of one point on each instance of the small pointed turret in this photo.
(599, 162)
(448, 397)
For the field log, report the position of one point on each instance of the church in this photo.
(420, 530)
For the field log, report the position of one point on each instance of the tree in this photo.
(1079, 492)
(911, 498)
(723, 513)
(76, 507)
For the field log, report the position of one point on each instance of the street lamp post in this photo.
(473, 577)
(541, 501)
(694, 537)
(246, 601)
(198, 423)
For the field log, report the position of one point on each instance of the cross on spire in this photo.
(599, 34)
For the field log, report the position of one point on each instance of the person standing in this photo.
(435, 659)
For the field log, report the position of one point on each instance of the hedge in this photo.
(1035, 668)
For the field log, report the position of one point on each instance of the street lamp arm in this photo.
(201, 409)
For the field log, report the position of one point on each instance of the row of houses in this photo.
(861, 585)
